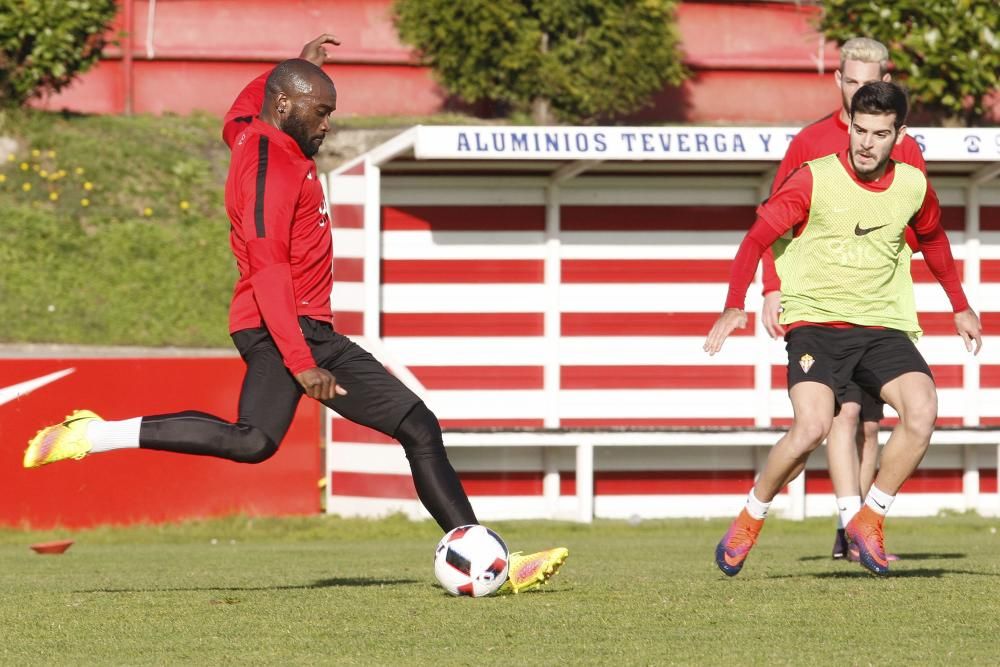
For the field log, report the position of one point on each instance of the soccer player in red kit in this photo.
(851, 447)
(281, 319)
(849, 311)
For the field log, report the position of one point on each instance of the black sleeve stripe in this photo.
(258, 211)
(243, 119)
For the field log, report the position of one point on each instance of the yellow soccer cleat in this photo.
(533, 570)
(67, 440)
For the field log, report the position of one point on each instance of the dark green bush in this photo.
(578, 60)
(947, 52)
(44, 44)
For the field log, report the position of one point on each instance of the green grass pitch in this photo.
(324, 590)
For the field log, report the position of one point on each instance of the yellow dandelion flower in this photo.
(78, 171)
(25, 166)
(61, 173)
(88, 186)
(43, 173)
(185, 205)
(85, 202)
(3, 178)
(11, 157)
(51, 153)
(147, 211)
(53, 196)
(35, 152)
(36, 167)
(26, 187)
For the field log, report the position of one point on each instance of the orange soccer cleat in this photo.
(864, 532)
(732, 550)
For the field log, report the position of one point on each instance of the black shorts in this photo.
(270, 394)
(868, 358)
(872, 407)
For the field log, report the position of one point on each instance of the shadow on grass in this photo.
(906, 557)
(917, 573)
(336, 582)
(859, 572)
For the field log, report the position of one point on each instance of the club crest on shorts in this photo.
(806, 361)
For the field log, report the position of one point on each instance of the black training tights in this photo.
(267, 404)
(437, 483)
(200, 433)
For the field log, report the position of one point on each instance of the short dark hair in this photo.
(295, 75)
(881, 97)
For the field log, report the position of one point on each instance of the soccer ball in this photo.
(471, 560)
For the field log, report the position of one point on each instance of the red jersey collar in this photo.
(279, 137)
(875, 186)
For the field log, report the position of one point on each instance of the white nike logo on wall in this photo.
(15, 391)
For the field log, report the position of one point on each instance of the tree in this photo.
(947, 52)
(45, 44)
(572, 60)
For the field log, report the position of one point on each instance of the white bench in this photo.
(584, 441)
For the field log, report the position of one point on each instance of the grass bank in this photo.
(114, 230)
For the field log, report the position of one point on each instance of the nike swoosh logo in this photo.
(16, 391)
(731, 563)
(73, 421)
(858, 231)
(878, 503)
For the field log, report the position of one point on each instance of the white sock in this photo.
(847, 507)
(879, 500)
(105, 436)
(756, 508)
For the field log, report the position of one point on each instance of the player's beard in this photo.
(296, 128)
(872, 167)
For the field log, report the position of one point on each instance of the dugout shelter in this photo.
(547, 291)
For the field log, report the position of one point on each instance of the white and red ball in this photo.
(471, 560)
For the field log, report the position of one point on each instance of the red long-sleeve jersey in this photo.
(826, 136)
(280, 230)
(788, 209)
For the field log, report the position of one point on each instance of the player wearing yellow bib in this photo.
(852, 447)
(849, 312)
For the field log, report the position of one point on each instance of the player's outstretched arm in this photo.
(731, 318)
(314, 51)
(968, 327)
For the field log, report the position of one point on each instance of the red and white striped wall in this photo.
(526, 296)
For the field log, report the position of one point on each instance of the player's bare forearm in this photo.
(729, 320)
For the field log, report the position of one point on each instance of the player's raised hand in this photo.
(320, 384)
(314, 51)
(731, 318)
(769, 315)
(968, 327)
